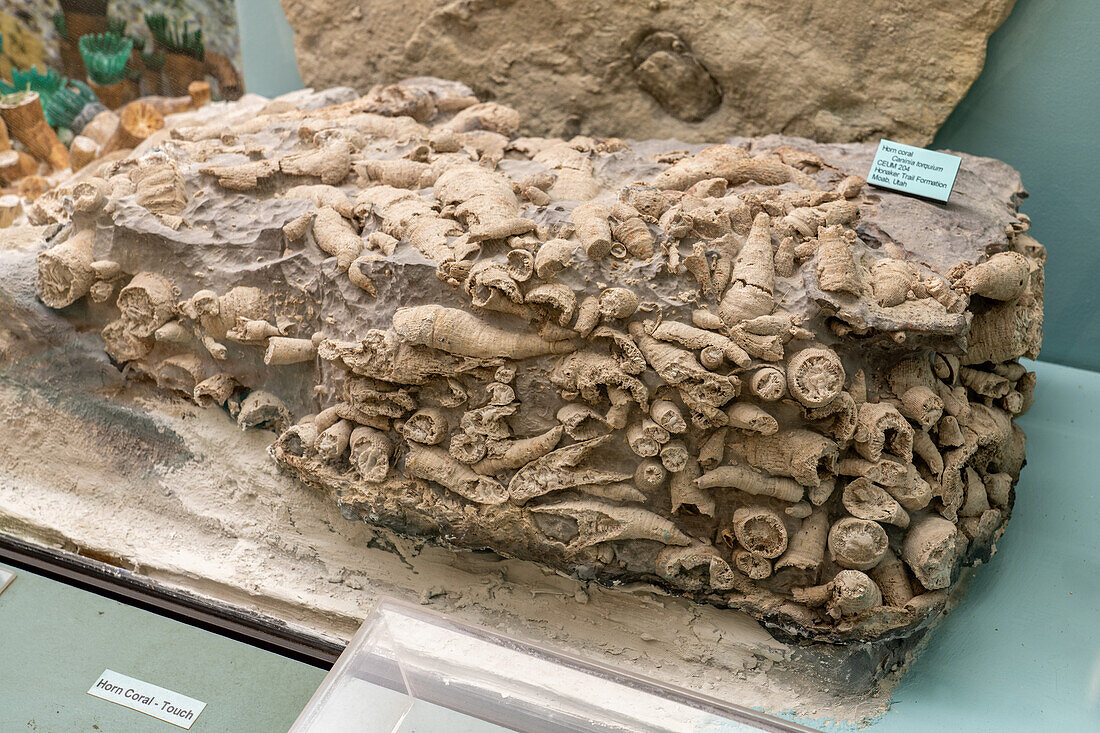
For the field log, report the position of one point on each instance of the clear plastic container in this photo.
(410, 669)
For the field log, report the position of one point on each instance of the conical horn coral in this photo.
(760, 530)
(746, 479)
(560, 470)
(283, 350)
(864, 500)
(65, 272)
(930, 550)
(147, 302)
(857, 544)
(753, 279)
(26, 121)
(435, 464)
(519, 453)
(803, 455)
(427, 425)
(880, 427)
(334, 236)
(602, 522)
(459, 332)
(1004, 276)
(837, 270)
(370, 453)
(806, 549)
(849, 593)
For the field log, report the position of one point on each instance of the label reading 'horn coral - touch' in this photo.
(913, 170)
(171, 707)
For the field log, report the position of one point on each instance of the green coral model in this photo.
(105, 56)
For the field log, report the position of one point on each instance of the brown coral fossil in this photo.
(335, 236)
(892, 280)
(752, 279)
(428, 425)
(857, 544)
(159, 186)
(23, 116)
(634, 234)
(931, 549)
(760, 530)
(603, 522)
(880, 427)
(753, 482)
(556, 297)
(518, 453)
(804, 455)
(1004, 276)
(147, 302)
(815, 376)
(864, 500)
(553, 256)
(708, 433)
(848, 594)
(458, 332)
(837, 270)
(434, 464)
(65, 271)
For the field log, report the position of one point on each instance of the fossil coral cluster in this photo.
(732, 371)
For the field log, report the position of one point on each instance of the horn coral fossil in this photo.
(704, 369)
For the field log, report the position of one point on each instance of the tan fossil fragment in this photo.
(65, 271)
(815, 376)
(848, 594)
(760, 530)
(753, 482)
(458, 332)
(753, 277)
(806, 548)
(435, 464)
(931, 549)
(751, 418)
(518, 453)
(561, 469)
(804, 455)
(857, 544)
(603, 522)
(1004, 276)
(881, 428)
(864, 500)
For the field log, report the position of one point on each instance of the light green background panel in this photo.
(55, 641)
(1036, 106)
(267, 48)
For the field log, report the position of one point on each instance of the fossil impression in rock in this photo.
(731, 371)
(694, 70)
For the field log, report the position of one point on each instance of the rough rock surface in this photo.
(734, 372)
(693, 70)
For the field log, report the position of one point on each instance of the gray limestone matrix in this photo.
(731, 371)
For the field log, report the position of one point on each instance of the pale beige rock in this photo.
(692, 70)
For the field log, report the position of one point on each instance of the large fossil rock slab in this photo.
(690, 69)
(734, 371)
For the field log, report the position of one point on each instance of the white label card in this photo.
(162, 704)
(6, 577)
(920, 172)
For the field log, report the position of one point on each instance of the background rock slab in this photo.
(829, 71)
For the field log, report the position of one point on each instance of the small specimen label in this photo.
(6, 577)
(162, 704)
(920, 172)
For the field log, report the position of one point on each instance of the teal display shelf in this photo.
(55, 641)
